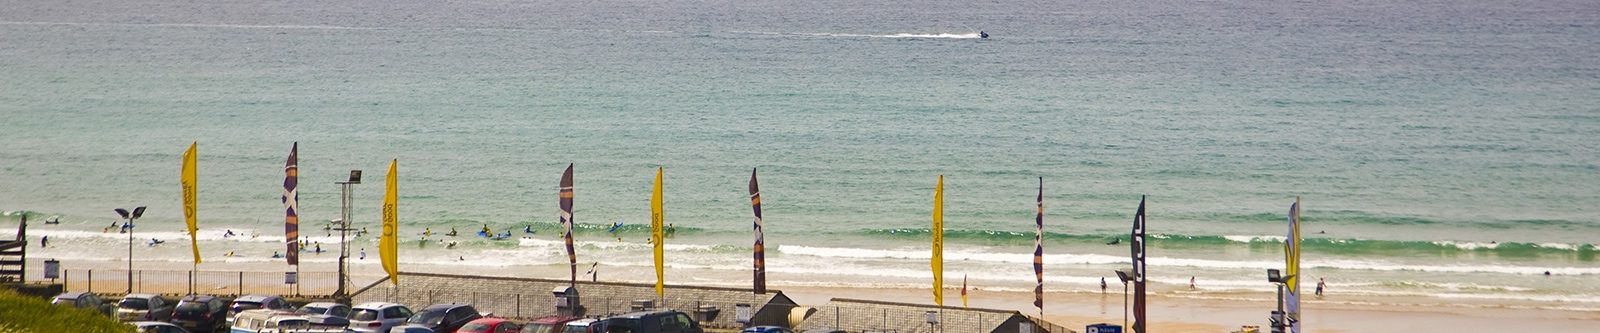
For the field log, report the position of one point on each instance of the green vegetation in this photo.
(20, 313)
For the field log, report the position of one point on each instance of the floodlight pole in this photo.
(344, 227)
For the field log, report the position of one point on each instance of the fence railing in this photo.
(179, 282)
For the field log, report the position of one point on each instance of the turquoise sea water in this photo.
(1444, 147)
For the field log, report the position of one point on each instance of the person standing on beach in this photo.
(1191, 282)
(363, 253)
(1102, 285)
(44, 241)
(1321, 283)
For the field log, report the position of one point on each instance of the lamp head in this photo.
(1124, 276)
(355, 176)
(138, 212)
(123, 212)
(1275, 276)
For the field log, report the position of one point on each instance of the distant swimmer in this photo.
(44, 241)
(154, 242)
(229, 254)
(614, 227)
(452, 232)
(1114, 241)
(363, 253)
(1321, 283)
(228, 233)
(275, 254)
(319, 248)
(53, 220)
(982, 34)
(452, 245)
(426, 232)
(528, 229)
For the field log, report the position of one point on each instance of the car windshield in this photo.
(67, 301)
(364, 314)
(475, 327)
(427, 317)
(313, 310)
(241, 306)
(134, 304)
(192, 309)
(541, 328)
(152, 329)
(622, 325)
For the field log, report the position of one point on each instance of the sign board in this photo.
(1025, 327)
(52, 269)
(291, 278)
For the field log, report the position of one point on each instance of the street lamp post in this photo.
(1277, 319)
(130, 216)
(1125, 277)
(344, 225)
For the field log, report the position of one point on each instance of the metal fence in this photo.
(527, 306)
(179, 282)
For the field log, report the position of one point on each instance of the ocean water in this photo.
(1442, 148)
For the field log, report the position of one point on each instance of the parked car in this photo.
(157, 327)
(586, 325)
(144, 307)
(551, 324)
(252, 302)
(766, 329)
(201, 313)
(377, 317)
(325, 308)
(411, 329)
(668, 321)
(444, 318)
(83, 300)
(274, 321)
(490, 325)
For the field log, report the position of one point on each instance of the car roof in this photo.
(140, 296)
(378, 305)
(323, 304)
(152, 323)
(71, 295)
(554, 320)
(197, 298)
(445, 306)
(583, 321)
(488, 320)
(255, 298)
(644, 313)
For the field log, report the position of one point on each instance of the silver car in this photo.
(377, 317)
(144, 307)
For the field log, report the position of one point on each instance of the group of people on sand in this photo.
(1322, 283)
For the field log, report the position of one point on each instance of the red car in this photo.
(490, 325)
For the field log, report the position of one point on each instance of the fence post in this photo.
(519, 305)
(91, 281)
(141, 280)
(240, 291)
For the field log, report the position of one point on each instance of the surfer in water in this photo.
(982, 34)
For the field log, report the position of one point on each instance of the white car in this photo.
(377, 317)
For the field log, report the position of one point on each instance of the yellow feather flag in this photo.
(938, 243)
(388, 245)
(656, 236)
(188, 179)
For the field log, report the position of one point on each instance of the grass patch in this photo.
(21, 314)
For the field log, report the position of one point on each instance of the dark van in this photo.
(668, 321)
